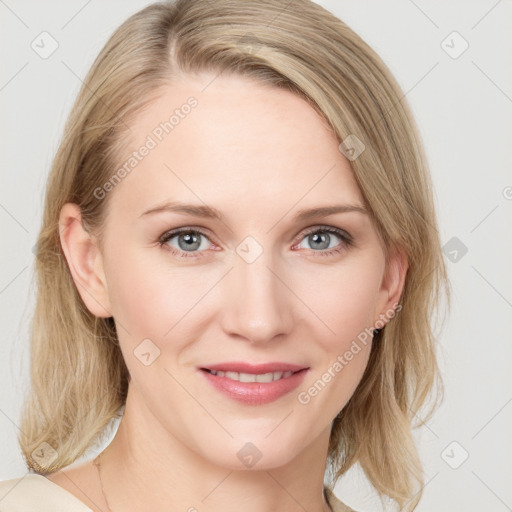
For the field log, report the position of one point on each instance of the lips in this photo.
(252, 383)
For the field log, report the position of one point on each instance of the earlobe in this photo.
(392, 287)
(84, 261)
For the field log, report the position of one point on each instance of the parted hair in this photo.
(79, 380)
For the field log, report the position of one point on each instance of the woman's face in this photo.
(261, 282)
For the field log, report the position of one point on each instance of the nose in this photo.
(257, 305)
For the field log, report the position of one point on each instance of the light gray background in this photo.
(463, 107)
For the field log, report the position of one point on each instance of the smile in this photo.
(254, 388)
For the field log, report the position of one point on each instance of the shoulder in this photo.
(35, 493)
(335, 503)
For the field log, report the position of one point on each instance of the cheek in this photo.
(150, 298)
(148, 304)
(135, 291)
(343, 298)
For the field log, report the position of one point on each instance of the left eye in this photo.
(321, 239)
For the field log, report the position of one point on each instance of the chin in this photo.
(259, 454)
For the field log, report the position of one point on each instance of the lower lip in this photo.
(255, 393)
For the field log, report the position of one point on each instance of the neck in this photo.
(160, 472)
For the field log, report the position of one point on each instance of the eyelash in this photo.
(347, 240)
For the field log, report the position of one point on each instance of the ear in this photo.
(84, 260)
(391, 288)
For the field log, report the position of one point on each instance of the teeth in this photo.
(251, 377)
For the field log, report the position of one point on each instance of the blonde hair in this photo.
(79, 380)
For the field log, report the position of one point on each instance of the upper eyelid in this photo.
(325, 227)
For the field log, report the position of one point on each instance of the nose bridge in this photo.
(256, 299)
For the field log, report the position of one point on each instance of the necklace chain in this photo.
(98, 466)
(97, 463)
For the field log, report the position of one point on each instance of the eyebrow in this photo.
(212, 213)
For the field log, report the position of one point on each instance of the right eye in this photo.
(186, 242)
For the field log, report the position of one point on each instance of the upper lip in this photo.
(241, 367)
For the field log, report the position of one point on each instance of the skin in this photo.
(258, 154)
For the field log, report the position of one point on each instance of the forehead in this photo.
(229, 139)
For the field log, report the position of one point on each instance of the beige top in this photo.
(35, 493)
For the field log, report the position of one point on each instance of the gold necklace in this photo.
(96, 462)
